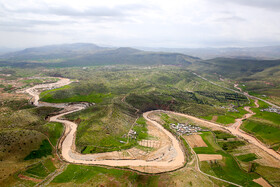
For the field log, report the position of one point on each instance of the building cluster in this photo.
(187, 129)
(132, 134)
(275, 110)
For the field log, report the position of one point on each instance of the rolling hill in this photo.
(81, 54)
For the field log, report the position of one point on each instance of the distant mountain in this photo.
(81, 54)
(234, 68)
(4, 50)
(52, 52)
(265, 53)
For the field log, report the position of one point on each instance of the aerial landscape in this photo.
(140, 93)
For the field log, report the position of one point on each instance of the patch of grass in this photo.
(269, 173)
(225, 119)
(230, 146)
(91, 98)
(38, 171)
(93, 175)
(247, 157)
(223, 135)
(53, 131)
(28, 81)
(44, 150)
(230, 117)
(227, 168)
(211, 148)
(263, 131)
(44, 93)
(81, 174)
(49, 165)
(207, 117)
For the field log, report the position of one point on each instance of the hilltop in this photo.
(84, 54)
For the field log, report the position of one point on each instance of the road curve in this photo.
(236, 132)
(68, 141)
(68, 150)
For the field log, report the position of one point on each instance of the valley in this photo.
(114, 121)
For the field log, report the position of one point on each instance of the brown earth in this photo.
(195, 141)
(262, 182)
(29, 178)
(214, 118)
(208, 157)
(264, 158)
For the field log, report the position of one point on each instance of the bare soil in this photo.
(214, 118)
(195, 141)
(208, 157)
(262, 182)
(29, 178)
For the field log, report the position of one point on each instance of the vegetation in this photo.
(121, 94)
(227, 168)
(230, 117)
(54, 131)
(223, 135)
(247, 157)
(98, 175)
(44, 150)
(264, 125)
(40, 170)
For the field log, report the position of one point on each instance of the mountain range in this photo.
(84, 54)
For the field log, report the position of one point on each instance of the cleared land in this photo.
(262, 182)
(195, 141)
(209, 157)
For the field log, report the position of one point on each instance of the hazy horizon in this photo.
(176, 24)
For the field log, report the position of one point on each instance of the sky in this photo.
(140, 23)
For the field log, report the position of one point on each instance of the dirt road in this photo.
(235, 131)
(68, 150)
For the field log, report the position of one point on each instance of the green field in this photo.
(230, 117)
(247, 157)
(44, 150)
(227, 168)
(54, 131)
(97, 175)
(264, 125)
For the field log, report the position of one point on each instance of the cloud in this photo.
(93, 11)
(230, 19)
(262, 4)
(184, 23)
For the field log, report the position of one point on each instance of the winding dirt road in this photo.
(234, 129)
(67, 144)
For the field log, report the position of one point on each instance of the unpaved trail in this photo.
(68, 149)
(67, 145)
(235, 131)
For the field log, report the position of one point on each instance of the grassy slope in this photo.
(22, 130)
(265, 126)
(117, 92)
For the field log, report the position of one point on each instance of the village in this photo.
(275, 110)
(187, 129)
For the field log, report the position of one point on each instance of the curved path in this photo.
(67, 145)
(235, 131)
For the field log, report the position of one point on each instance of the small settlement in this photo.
(275, 110)
(187, 129)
